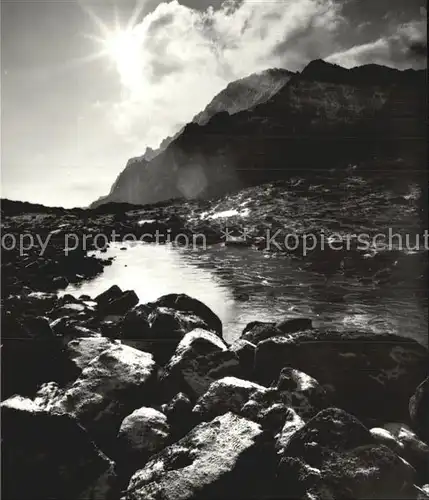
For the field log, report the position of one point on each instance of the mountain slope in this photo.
(321, 118)
(237, 96)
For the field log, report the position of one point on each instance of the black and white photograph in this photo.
(214, 250)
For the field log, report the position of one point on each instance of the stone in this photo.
(419, 410)
(267, 406)
(245, 351)
(423, 492)
(412, 449)
(144, 432)
(114, 292)
(31, 356)
(179, 414)
(219, 459)
(200, 358)
(357, 366)
(84, 349)
(289, 326)
(228, 394)
(122, 304)
(47, 455)
(111, 386)
(292, 424)
(335, 456)
(257, 331)
(186, 304)
(331, 431)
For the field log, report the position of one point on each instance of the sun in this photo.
(124, 49)
(122, 45)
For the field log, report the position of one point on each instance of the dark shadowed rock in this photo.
(257, 331)
(223, 458)
(113, 293)
(179, 415)
(186, 304)
(419, 410)
(200, 358)
(123, 303)
(294, 325)
(31, 355)
(335, 456)
(110, 387)
(245, 351)
(332, 431)
(46, 455)
(358, 367)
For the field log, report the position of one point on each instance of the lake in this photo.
(242, 285)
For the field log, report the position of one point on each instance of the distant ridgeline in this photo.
(276, 124)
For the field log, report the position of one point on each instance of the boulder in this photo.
(200, 358)
(257, 331)
(267, 406)
(84, 349)
(121, 305)
(366, 472)
(189, 305)
(113, 293)
(111, 386)
(47, 455)
(144, 432)
(358, 367)
(224, 458)
(331, 431)
(292, 424)
(411, 448)
(419, 410)
(245, 351)
(228, 394)
(158, 330)
(294, 325)
(335, 456)
(32, 355)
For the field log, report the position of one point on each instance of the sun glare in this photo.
(122, 46)
(124, 49)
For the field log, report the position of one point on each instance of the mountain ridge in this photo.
(323, 106)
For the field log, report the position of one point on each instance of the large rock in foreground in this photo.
(224, 458)
(47, 455)
(335, 456)
(111, 386)
(383, 369)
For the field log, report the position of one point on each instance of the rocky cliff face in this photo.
(322, 118)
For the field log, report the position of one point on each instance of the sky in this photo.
(88, 84)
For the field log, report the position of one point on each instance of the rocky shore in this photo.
(108, 399)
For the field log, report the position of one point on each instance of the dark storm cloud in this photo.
(418, 50)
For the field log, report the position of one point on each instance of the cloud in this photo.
(186, 56)
(403, 46)
(183, 56)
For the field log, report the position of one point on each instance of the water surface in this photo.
(242, 285)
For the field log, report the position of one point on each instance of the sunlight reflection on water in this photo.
(242, 285)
